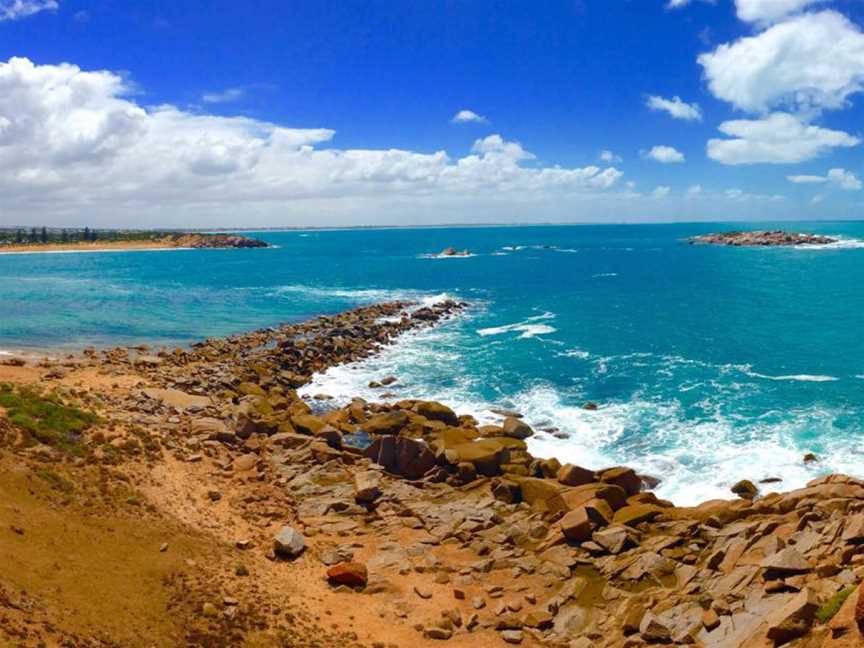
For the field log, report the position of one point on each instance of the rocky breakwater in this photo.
(213, 241)
(775, 238)
(452, 530)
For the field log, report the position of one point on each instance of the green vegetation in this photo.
(44, 418)
(44, 235)
(832, 605)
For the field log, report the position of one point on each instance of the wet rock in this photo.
(288, 543)
(745, 489)
(516, 429)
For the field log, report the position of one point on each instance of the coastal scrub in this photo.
(45, 419)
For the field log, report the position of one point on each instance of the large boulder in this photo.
(571, 475)
(400, 456)
(436, 412)
(624, 477)
(515, 428)
(352, 574)
(367, 486)
(568, 499)
(385, 423)
(577, 525)
(486, 455)
(307, 423)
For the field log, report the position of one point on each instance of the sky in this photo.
(407, 112)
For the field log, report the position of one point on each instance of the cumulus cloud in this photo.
(808, 63)
(660, 192)
(225, 96)
(468, 117)
(609, 157)
(74, 144)
(17, 9)
(675, 107)
(779, 138)
(665, 154)
(768, 11)
(840, 178)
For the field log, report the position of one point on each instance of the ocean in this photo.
(707, 364)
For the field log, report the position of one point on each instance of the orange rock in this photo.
(352, 574)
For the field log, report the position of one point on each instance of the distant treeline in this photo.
(42, 235)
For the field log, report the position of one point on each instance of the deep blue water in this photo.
(709, 364)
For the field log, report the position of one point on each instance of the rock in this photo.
(308, 424)
(436, 412)
(653, 631)
(571, 475)
(622, 477)
(569, 498)
(385, 423)
(487, 455)
(367, 486)
(245, 462)
(793, 619)
(288, 543)
(512, 636)
(745, 489)
(786, 562)
(636, 514)
(810, 458)
(422, 592)
(352, 574)
(577, 526)
(177, 399)
(760, 238)
(436, 632)
(209, 610)
(516, 429)
(401, 456)
(211, 428)
(506, 491)
(590, 406)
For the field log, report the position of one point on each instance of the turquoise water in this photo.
(709, 364)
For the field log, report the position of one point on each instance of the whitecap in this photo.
(604, 274)
(527, 329)
(795, 377)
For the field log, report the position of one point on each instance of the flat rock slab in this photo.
(176, 398)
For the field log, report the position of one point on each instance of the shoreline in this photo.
(449, 530)
(489, 415)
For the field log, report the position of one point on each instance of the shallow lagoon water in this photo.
(709, 364)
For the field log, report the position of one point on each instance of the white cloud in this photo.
(807, 179)
(676, 108)
(694, 190)
(817, 199)
(840, 178)
(769, 11)
(75, 147)
(779, 138)
(665, 154)
(609, 157)
(844, 179)
(808, 63)
(660, 192)
(468, 117)
(225, 96)
(17, 9)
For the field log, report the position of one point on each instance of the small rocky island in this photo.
(200, 241)
(762, 238)
(453, 252)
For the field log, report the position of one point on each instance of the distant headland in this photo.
(70, 240)
(761, 238)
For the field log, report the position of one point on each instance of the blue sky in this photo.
(286, 113)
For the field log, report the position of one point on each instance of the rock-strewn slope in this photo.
(411, 524)
(762, 239)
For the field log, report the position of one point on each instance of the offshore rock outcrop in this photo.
(775, 238)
